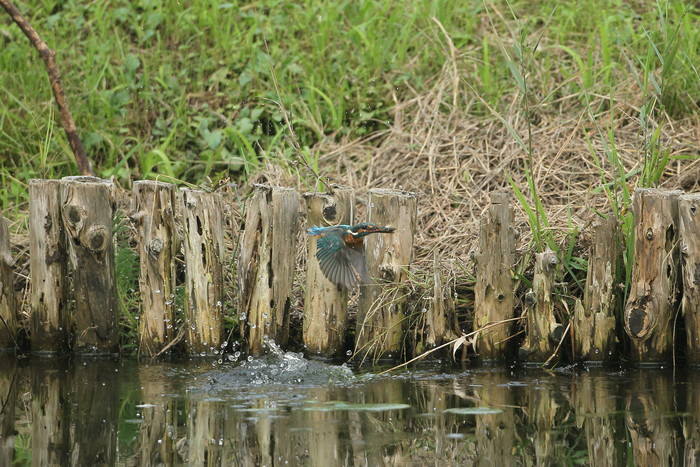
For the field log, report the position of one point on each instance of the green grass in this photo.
(196, 89)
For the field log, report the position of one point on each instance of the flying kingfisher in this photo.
(341, 252)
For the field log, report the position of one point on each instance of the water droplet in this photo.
(348, 353)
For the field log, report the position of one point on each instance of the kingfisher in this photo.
(341, 252)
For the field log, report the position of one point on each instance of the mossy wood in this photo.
(158, 247)
(381, 314)
(87, 211)
(651, 304)
(8, 311)
(325, 304)
(689, 215)
(48, 263)
(543, 331)
(266, 265)
(594, 321)
(204, 274)
(494, 292)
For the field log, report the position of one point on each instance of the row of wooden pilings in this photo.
(664, 287)
(70, 227)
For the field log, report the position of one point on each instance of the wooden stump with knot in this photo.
(543, 330)
(158, 247)
(87, 212)
(494, 299)
(325, 304)
(651, 304)
(594, 321)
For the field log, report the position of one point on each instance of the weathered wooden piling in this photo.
(689, 216)
(158, 247)
(543, 331)
(204, 274)
(435, 324)
(494, 292)
(380, 317)
(86, 210)
(266, 265)
(8, 311)
(594, 321)
(325, 304)
(649, 313)
(48, 266)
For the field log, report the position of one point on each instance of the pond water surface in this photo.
(285, 410)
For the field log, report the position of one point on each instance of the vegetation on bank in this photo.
(200, 92)
(191, 90)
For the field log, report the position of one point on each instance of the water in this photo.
(285, 410)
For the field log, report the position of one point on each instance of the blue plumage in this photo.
(341, 252)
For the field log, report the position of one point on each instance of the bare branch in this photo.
(49, 57)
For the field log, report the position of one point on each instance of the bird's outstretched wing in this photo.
(340, 264)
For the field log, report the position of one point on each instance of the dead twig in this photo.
(49, 57)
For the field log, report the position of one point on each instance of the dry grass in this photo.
(453, 160)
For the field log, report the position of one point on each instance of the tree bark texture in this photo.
(325, 304)
(87, 211)
(8, 301)
(48, 265)
(494, 292)
(689, 215)
(651, 305)
(543, 331)
(266, 265)
(594, 322)
(381, 313)
(158, 247)
(204, 274)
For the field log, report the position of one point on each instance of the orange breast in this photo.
(353, 242)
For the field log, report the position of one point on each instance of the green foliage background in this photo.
(197, 89)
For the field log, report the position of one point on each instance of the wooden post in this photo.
(8, 303)
(86, 209)
(155, 217)
(204, 275)
(594, 322)
(494, 295)
(266, 265)
(48, 265)
(380, 317)
(543, 331)
(651, 304)
(689, 214)
(325, 304)
(433, 326)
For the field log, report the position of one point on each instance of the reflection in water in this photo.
(285, 410)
